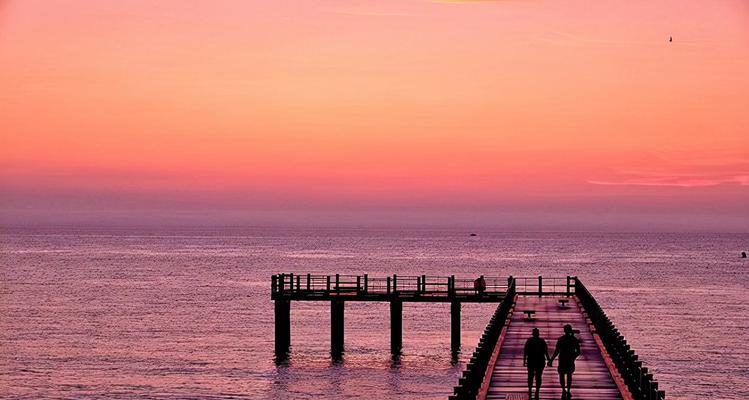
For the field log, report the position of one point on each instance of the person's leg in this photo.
(569, 384)
(530, 380)
(539, 374)
(561, 381)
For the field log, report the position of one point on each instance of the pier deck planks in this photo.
(591, 381)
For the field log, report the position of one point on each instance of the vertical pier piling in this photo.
(455, 326)
(336, 326)
(396, 326)
(283, 327)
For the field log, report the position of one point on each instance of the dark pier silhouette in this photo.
(607, 368)
(338, 289)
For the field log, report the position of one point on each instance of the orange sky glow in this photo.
(518, 114)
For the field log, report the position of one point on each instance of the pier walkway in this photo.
(592, 379)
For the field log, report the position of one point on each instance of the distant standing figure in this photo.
(568, 349)
(480, 284)
(535, 356)
(743, 254)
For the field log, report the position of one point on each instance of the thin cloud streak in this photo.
(703, 169)
(676, 181)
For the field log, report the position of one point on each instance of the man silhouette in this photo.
(535, 355)
(568, 349)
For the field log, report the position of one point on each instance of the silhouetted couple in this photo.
(536, 357)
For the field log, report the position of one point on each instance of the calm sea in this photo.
(186, 313)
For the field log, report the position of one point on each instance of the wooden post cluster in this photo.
(470, 382)
(640, 383)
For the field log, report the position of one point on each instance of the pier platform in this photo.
(592, 379)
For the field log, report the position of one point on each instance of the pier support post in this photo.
(396, 326)
(336, 327)
(540, 286)
(283, 327)
(455, 326)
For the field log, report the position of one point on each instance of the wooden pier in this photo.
(592, 379)
(339, 289)
(607, 369)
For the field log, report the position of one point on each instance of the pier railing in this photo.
(545, 286)
(639, 381)
(365, 287)
(473, 376)
(309, 284)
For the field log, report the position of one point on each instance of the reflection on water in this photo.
(169, 314)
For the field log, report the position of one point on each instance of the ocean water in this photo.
(186, 313)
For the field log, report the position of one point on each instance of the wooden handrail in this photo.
(641, 384)
(469, 386)
(290, 283)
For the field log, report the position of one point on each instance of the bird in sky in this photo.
(670, 39)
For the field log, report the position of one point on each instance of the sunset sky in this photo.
(517, 114)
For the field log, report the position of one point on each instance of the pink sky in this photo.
(516, 114)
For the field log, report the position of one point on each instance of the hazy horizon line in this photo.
(356, 226)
